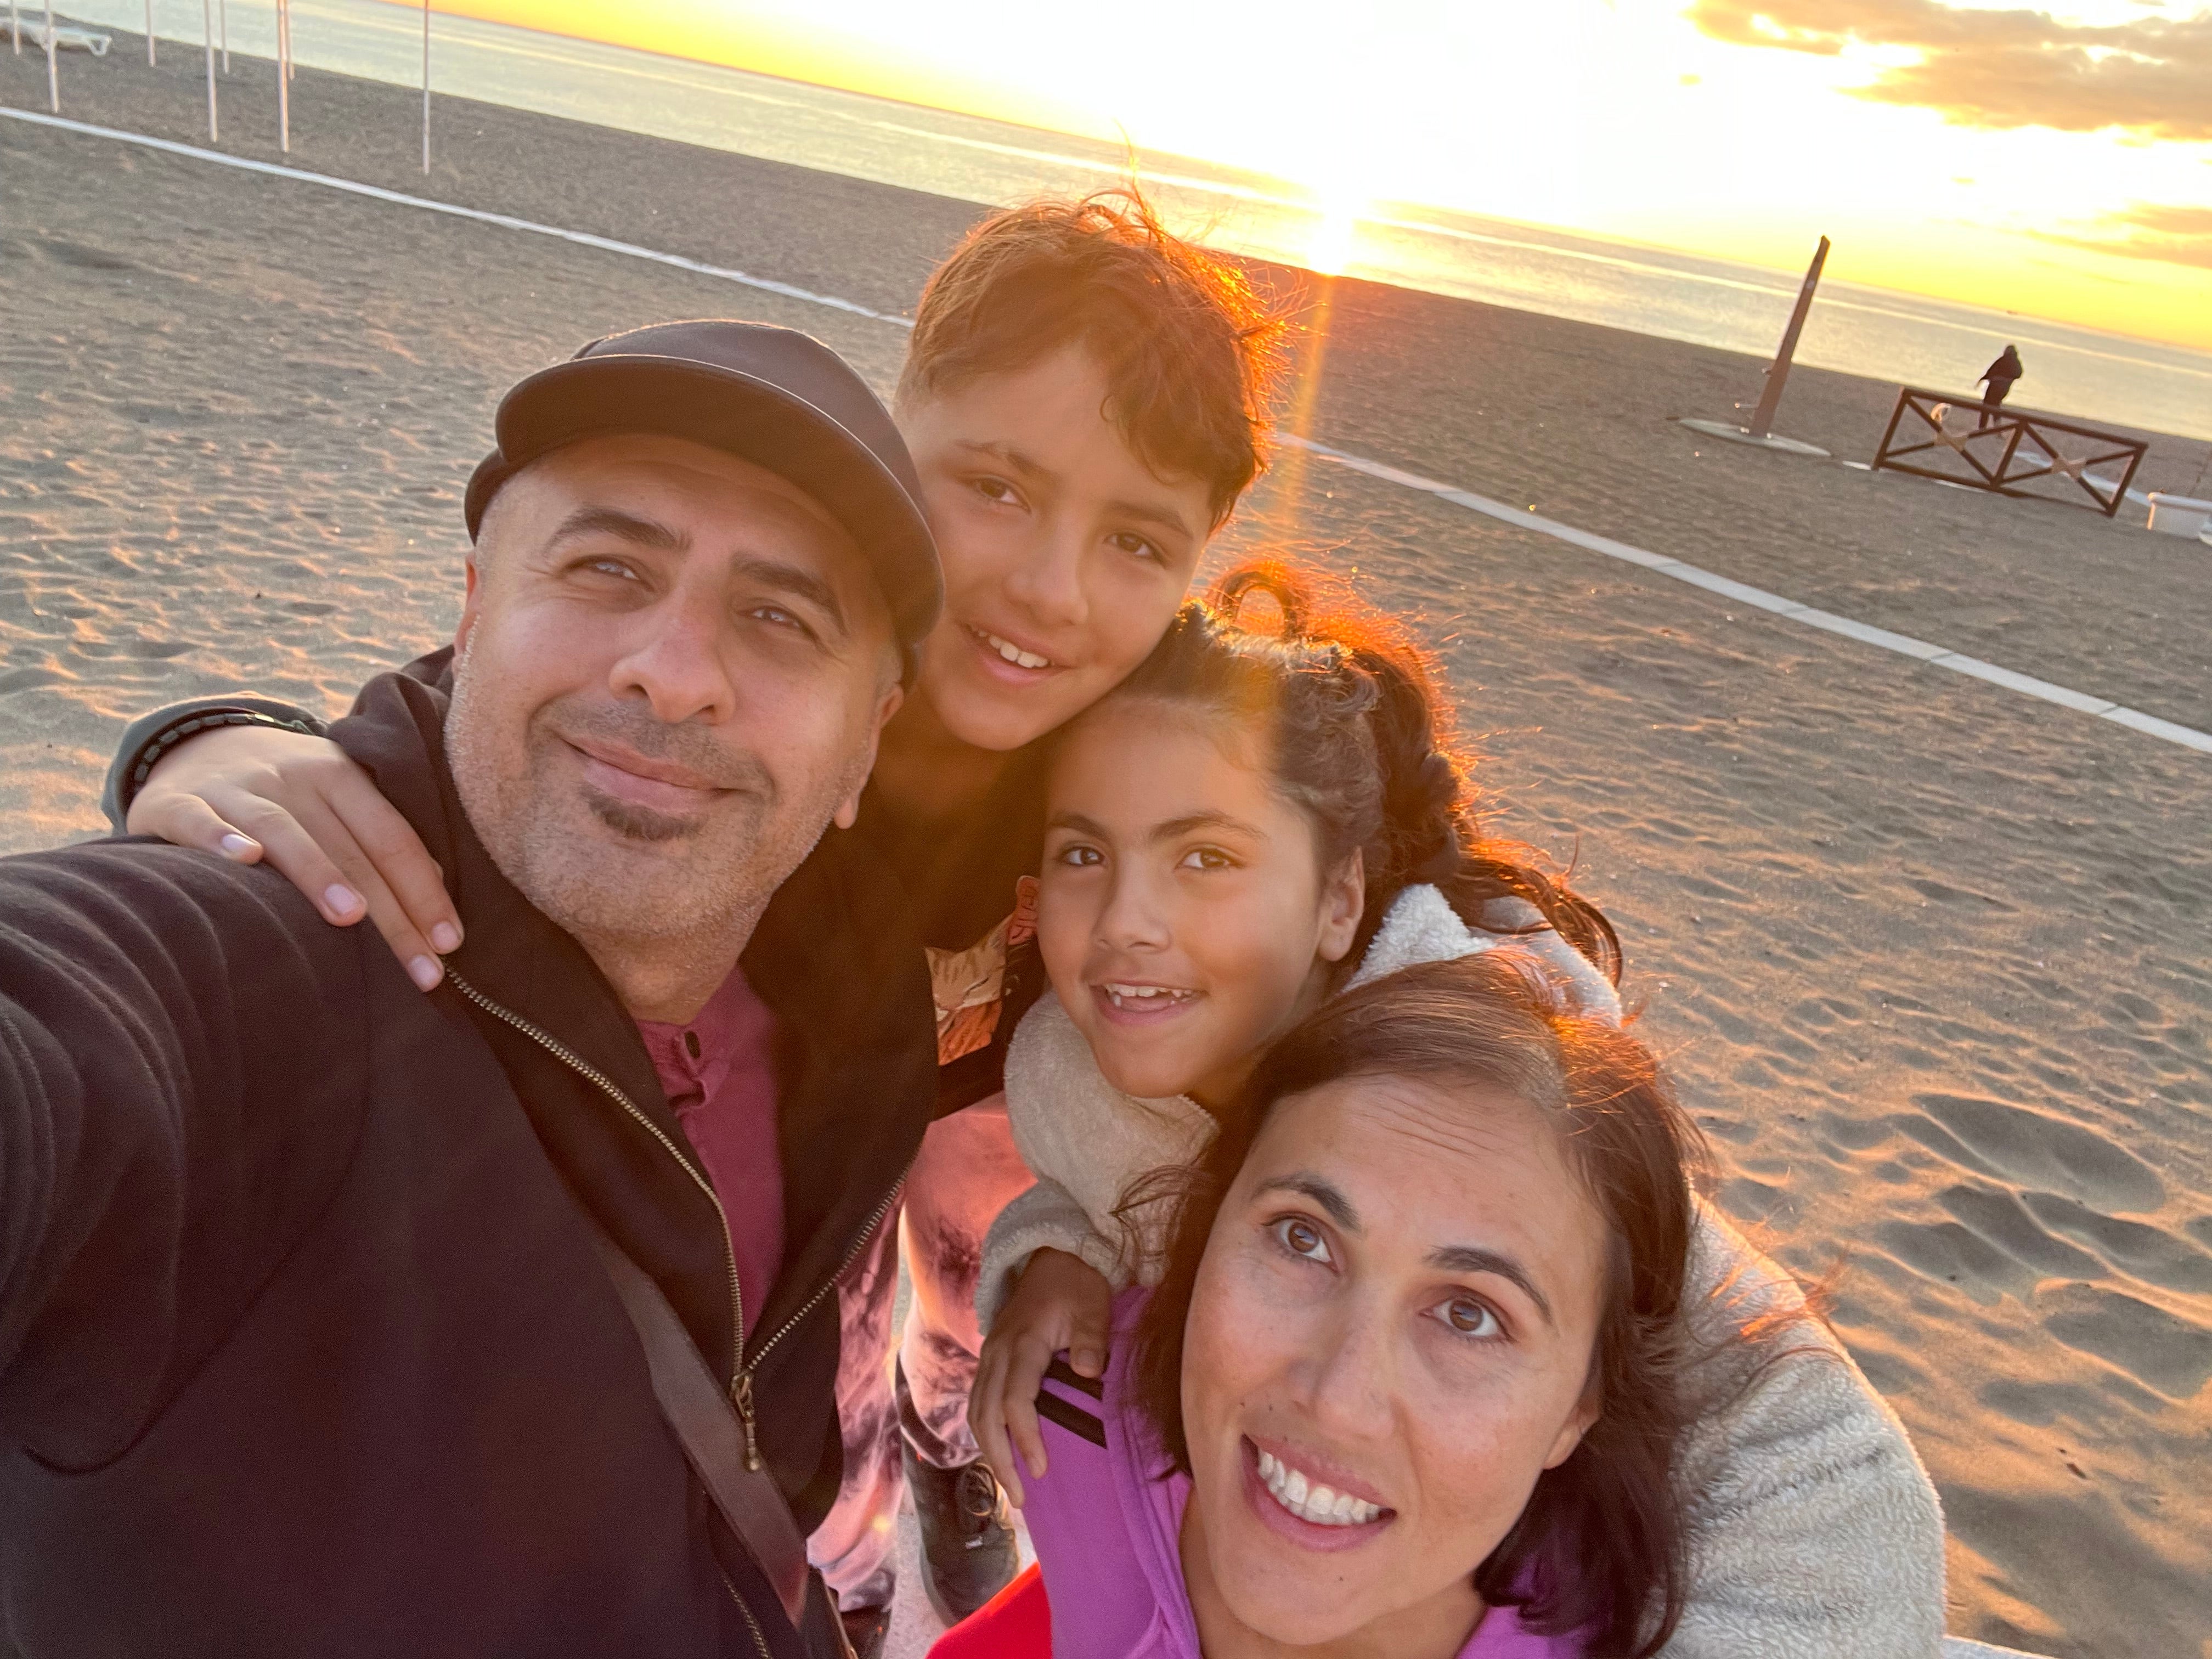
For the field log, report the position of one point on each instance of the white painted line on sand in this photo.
(582, 238)
(1904, 645)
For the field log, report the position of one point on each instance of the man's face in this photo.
(1064, 555)
(673, 669)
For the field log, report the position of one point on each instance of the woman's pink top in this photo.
(1106, 1529)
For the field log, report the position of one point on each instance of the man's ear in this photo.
(472, 606)
(848, 810)
(1343, 902)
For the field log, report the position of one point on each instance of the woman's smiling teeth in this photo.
(1311, 1501)
(1012, 652)
(1147, 997)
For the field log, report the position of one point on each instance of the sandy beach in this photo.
(1929, 958)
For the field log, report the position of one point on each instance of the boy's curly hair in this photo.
(1192, 353)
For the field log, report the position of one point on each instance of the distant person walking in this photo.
(2000, 375)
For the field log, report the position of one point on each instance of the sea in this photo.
(1876, 332)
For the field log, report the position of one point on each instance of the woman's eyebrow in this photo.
(1474, 1259)
(1333, 1203)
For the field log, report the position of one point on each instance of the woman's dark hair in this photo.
(1599, 1550)
(1359, 735)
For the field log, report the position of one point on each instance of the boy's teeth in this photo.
(1122, 995)
(1013, 653)
(1310, 1500)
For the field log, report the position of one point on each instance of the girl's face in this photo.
(1390, 1339)
(1064, 555)
(1182, 914)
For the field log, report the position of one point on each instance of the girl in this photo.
(1251, 824)
(1408, 1385)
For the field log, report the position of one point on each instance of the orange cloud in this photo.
(2000, 68)
(2150, 230)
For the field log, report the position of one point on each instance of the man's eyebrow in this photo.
(1334, 1203)
(1474, 1259)
(623, 527)
(797, 581)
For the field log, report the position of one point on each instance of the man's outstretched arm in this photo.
(163, 1042)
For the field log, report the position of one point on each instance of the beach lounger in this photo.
(68, 37)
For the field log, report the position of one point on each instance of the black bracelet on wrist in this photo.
(151, 752)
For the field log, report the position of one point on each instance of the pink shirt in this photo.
(1106, 1528)
(719, 1073)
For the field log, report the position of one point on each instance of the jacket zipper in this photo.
(852, 1254)
(741, 1369)
(741, 1382)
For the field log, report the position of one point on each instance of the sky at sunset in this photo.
(2058, 162)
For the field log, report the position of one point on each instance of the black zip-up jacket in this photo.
(304, 1348)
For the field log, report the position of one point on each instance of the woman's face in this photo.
(1182, 912)
(1390, 1338)
(1064, 555)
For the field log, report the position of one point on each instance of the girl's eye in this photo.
(1207, 858)
(1137, 545)
(997, 490)
(1470, 1316)
(1302, 1238)
(1079, 857)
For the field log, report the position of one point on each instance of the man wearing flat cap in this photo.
(339, 1319)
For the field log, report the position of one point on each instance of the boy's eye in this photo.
(1138, 546)
(1303, 1239)
(1471, 1316)
(1207, 858)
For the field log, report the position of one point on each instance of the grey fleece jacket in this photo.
(1813, 1532)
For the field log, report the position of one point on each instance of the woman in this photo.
(1408, 1383)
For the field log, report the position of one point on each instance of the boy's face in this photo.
(1064, 555)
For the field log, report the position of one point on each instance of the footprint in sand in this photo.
(2033, 1150)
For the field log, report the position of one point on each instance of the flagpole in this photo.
(206, 38)
(284, 74)
(426, 89)
(149, 33)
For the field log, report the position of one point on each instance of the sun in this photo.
(1336, 226)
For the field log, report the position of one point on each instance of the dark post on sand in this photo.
(1762, 422)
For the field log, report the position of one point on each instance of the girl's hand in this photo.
(1060, 1303)
(249, 791)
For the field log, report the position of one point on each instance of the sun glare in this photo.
(1336, 225)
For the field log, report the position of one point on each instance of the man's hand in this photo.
(1060, 1303)
(245, 793)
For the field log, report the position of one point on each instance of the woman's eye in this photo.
(1207, 858)
(996, 489)
(1079, 857)
(1138, 546)
(1470, 1316)
(1302, 1238)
